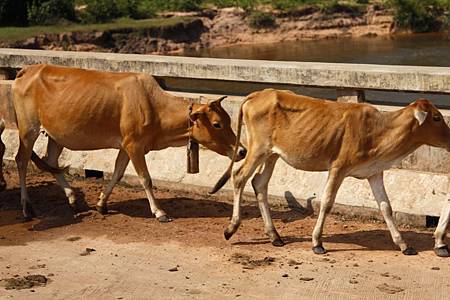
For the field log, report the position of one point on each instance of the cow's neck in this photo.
(393, 137)
(174, 127)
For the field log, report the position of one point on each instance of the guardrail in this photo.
(350, 79)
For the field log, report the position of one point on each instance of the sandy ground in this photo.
(127, 255)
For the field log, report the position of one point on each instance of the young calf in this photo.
(2, 152)
(345, 139)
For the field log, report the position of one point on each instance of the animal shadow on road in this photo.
(49, 203)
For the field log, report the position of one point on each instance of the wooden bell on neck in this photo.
(192, 157)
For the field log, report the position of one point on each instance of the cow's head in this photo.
(212, 128)
(431, 127)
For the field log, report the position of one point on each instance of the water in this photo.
(415, 50)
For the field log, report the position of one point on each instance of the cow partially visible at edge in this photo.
(87, 110)
(345, 139)
(2, 152)
(440, 247)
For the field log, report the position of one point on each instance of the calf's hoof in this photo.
(164, 219)
(278, 242)
(443, 251)
(103, 209)
(319, 250)
(409, 251)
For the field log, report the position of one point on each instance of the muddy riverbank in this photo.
(219, 28)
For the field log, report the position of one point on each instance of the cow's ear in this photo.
(420, 115)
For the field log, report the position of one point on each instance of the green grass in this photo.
(12, 34)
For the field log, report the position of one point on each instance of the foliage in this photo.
(13, 12)
(421, 16)
(50, 12)
(260, 19)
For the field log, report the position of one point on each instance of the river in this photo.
(418, 50)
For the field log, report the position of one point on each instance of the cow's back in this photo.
(80, 109)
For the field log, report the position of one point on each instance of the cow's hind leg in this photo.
(23, 156)
(333, 183)
(2, 153)
(137, 156)
(440, 248)
(378, 190)
(260, 184)
(53, 152)
(122, 161)
(240, 178)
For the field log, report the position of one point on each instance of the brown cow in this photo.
(345, 139)
(2, 152)
(88, 110)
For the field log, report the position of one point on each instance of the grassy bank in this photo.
(12, 34)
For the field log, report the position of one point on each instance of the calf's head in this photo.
(431, 126)
(212, 128)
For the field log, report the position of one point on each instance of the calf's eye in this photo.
(217, 125)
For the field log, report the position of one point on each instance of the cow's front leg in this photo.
(333, 183)
(137, 155)
(121, 164)
(440, 248)
(378, 190)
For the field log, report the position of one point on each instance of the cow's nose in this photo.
(242, 153)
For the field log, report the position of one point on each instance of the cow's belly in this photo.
(303, 161)
(369, 169)
(84, 139)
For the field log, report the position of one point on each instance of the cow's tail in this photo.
(2, 126)
(226, 176)
(44, 166)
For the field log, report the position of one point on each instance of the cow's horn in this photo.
(218, 100)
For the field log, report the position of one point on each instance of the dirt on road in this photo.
(129, 255)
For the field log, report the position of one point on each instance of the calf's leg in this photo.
(378, 190)
(333, 183)
(137, 155)
(440, 248)
(122, 161)
(260, 184)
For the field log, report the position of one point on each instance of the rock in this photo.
(306, 278)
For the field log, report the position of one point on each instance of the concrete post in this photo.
(350, 95)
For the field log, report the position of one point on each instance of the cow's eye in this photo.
(217, 125)
(437, 118)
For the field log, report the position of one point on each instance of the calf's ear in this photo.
(196, 114)
(420, 115)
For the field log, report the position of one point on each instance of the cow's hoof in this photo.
(409, 251)
(74, 208)
(278, 242)
(103, 209)
(228, 234)
(164, 219)
(319, 250)
(443, 251)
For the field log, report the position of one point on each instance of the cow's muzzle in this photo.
(242, 152)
